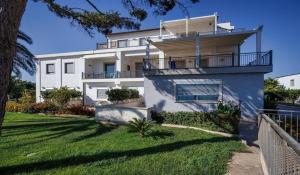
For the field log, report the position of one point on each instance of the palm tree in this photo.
(24, 59)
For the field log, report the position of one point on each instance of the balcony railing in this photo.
(210, 61)
(122, 43)
(113, 75)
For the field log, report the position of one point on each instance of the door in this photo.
(109, 69)
(138, 70)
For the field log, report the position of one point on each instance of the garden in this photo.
(39, 144)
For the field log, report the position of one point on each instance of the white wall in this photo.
(160, 92)
(285, 81)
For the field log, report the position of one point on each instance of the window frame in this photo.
(140, 41)
(292, 82)
(106, 89)
(65, 68)
(47, 68)
(126, 43)
(220, 94)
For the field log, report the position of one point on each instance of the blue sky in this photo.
(280, 18)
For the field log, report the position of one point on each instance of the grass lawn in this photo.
(34, 144)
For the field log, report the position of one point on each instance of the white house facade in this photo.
(183, 65)
(291, 81)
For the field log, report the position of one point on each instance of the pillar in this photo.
(198, 51)
(161, 56)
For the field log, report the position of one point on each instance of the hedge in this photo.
(116, 95)
(224, 120)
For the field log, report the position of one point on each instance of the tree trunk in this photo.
(11, 12)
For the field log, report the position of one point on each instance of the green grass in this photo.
(34, 144)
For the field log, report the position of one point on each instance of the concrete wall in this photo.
(247, 88)
(59, 78)
(285, 81)
(91, 89)
(121, 114)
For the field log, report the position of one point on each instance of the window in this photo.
(101, 93)
(143, 42)
(292, 82)
(122, 43)
(50, 68)
(110, 70)
(69, 68)
(202, 92)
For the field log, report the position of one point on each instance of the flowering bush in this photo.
(77, 110)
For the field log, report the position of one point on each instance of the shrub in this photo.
(77, 110)
(226, 118)
(27, 97)
(116, 95)
(61, 96)
(44, 107)
(142, 126)
(12, 106)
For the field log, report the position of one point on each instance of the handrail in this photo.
(212, 60)
(284, 135)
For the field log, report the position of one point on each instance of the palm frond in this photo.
(24, 59)
(23, 36)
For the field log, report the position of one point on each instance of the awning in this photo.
(206, 41)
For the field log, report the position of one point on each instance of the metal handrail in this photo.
(215, 60)
(284, 135)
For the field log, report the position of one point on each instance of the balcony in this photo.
(113, 75)
(218, 63)
(121, 44)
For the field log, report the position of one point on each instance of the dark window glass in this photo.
(69, 68)
(50, 68)
(203, 92)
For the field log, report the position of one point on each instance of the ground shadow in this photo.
(85, 159)
(157, 134)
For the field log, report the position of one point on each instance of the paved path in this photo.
(247, 163)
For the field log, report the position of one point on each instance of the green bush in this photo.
(116, 95)
(61, 96)
(226, 118)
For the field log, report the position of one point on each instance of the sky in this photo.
(280, 18)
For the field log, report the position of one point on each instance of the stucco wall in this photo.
(247, 88)
(285, 81)
(121, 114)
(91, 89)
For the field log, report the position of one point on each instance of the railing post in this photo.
(271, 57)
(232, 59)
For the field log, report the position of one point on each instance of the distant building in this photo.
(291, 81)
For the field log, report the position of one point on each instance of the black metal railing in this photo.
(121, 44)
(210, 61)
(110, 75)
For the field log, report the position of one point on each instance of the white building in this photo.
(291, 81)
(186, 64)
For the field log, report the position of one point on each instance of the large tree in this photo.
(11, 12)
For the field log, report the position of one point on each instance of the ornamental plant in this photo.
(61, 96)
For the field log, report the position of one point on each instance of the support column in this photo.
(119, 62)
(38, 82)
(147, 65)
(198, 51)
(186, 26)
(258, 38)
(160, 28)
(161, 57)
